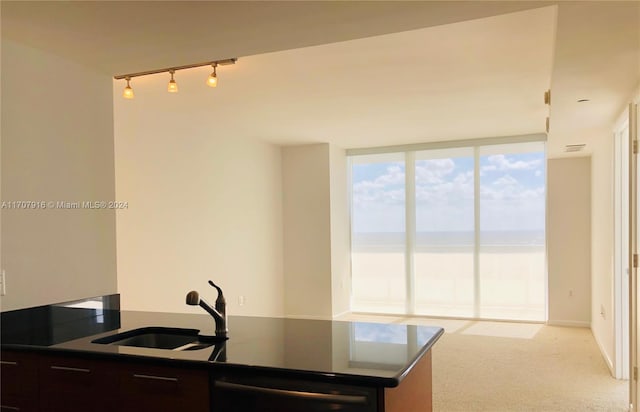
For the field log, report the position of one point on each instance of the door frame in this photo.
(621, 250)
(633, 257)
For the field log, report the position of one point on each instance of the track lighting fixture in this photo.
(212, 80)
(172, 87)
(128, 91)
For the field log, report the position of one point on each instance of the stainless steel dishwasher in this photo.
(267, 394)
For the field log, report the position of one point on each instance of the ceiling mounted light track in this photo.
(172, 87)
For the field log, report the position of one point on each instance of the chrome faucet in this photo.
(219, 313)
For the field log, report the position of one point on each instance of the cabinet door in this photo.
(18, 381)
(145, 387)
(69, 384)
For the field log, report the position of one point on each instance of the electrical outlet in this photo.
(602, 312)
(241, 300)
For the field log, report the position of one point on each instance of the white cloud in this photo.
(464, 178)
(451, 192)
(506, 180)
(511, 193)
(434, 170)
(394, 176)
(387, 188)
(501, 162)
(537, 194)
(444, 196)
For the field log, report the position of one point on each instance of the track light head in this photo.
(172, 87)
(128, 91)
(212, 80)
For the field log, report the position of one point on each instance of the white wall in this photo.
(602, 231)
(569, 240)
(340, 232)
(205, 202)
(317, 259)
(307, 231)
(57, 144)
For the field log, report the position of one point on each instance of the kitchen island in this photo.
(267, 364)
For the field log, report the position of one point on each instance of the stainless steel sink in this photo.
(160, 338)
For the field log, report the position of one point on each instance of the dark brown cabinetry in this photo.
(146, 387)
(49, 382)
(67, 383)
(18, 381)
(76, 384)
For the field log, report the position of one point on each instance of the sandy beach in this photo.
(512, 283)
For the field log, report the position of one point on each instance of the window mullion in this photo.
(476, 232)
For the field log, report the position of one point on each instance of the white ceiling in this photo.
(450, 70)
(470, 79)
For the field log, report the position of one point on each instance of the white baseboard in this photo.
(605, 355)
(570, 323)
(341, 314)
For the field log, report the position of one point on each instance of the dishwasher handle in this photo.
(325, 397)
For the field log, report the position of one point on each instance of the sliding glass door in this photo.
(456, 232)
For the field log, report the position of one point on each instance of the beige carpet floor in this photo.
(501, 366)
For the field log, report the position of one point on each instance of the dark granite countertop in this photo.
(339, 351)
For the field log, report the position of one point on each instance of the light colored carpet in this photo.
(500, 366)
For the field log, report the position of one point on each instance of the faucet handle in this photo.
(215, 286)
(220, 302)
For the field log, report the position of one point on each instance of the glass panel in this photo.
(378, 233)
(444, 249)
(512, 232)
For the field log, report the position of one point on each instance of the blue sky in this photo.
(512, 194)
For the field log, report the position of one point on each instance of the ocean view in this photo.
(450, 269)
